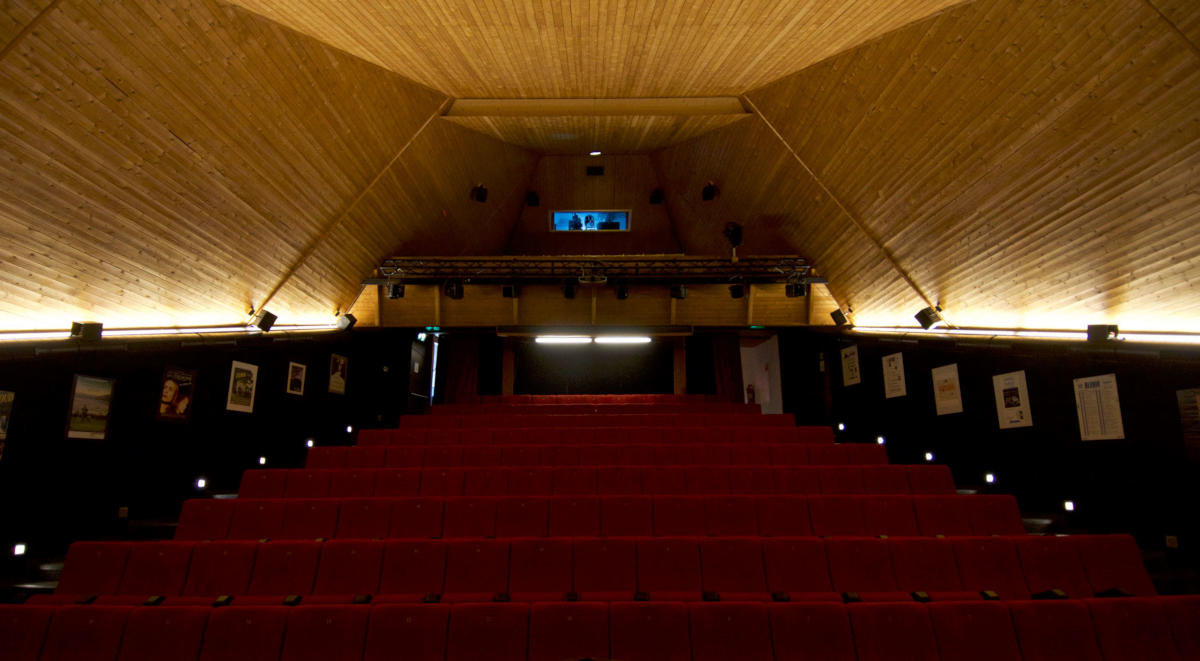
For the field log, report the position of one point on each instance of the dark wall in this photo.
(1143, 484)
(545, 369)
(56, 489)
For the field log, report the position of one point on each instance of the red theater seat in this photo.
(368, 457)
(371, 437)
(416, 518)
(520, 455)
(861, 454)
(307, 484)
(441, 482)
(990, 563)
(93, 568)
(165, 632)
(531, 482)
(521, 517)
(751, 480)
(750, 454)
(403, 456)
(889, 515)
(707, 480)
(219, 568)
(863, 566)
(418, 631)
(605, 569)
(664, 480)
(981, 631)
(837, 515)
(284, 568)
(23, 628)
(398, 482)
(476, 571)
(539, 569)
(261, 483)
(469, 517)
(574, 517)
(352, 483)
(1183, 613)
(806, 632)
(930, 480)
(482, 456)
(943, 515)
(85, 633)
(1055, 630)
(568, 631)
(204, 519)
(325, 633)
(798, 568)
(443, 456)
(649, 632)
(786, 454)
(678, 516)
(669, 569)
(995, 515)
(730, 516)
(412, 570)
(888, 632)
(488, 631)
(798, 481)
(1113, 562)
(618, 481)
(574, 481)
(733, 568)
(1053, 563)
(1133, 629)
(598, 455)
(713, 454)
(783, 516)
(244, 634)
(485, 482)
(158, 568)
(626, 517)
(842, 480)
(309, 519)
(256, 519)
(333, 457)
(730, 631)
(927, 565)
(363, 518)
(886, 479)
(349, 567)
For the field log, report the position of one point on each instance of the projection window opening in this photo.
(593, 220)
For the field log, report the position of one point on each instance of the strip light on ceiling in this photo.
(1033, 334)
(622, 339)
(563, 339)
(159, 332)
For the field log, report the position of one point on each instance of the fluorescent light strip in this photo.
(150, 332)
(1131, 336)
(563, 339)
(622, 339)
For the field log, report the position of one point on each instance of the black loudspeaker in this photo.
(1101, 332)
(795, 290)
(928, 318)
(569, 289)
(622, 291)
(453, 289)
(679, 291)
(839, 317)
(264, 320)
(595, 170)
(532, 199)
(395, 290)
(709, 192)
(89, 331)
(737, 291)
(479, 194)
(656, 196)
(511, 291)
(733, 232)
(346, 321)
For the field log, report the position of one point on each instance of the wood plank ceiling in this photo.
(178, 162)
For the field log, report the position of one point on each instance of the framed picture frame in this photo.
(338, 367)
(91, 404)
(296, 377)
(6, 407)
(175, 400)
(243, 381)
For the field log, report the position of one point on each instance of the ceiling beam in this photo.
(683, 106)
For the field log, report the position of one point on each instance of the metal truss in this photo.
(595, 269)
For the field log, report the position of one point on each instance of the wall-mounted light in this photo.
(737, 291)
(928, 456)
(594, 152)
(841, 426)
(990, 478)
(309, 443)
(19, 549)
(201, 483)
(1069, 505)
(349, 429)
(262, 461)
(879, 440)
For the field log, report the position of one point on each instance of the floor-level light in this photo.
(349, 430)
(19, 549)
(880, 440)
(262, 461)
(990, 478)
(1069, 505)
(841, 426)
(928, 456)
(201, 483)
(309, 443)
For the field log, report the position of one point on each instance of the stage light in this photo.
(395, 290)
(841, 426)
(201, 483)
(264, 320)
(1069, 505)
(19, 549)
(929, 317)
(879, 440)
(309, 443)
(928, 456)
(990, 478)
(839, 318)
(737, 291)
(262, 461)
(622, 339)
(346, 322)
(1102, 332)
(709, 192)
(563, 339)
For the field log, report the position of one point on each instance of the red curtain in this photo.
(458, 369)
(727, 366)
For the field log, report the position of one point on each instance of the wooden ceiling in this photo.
(179, 162)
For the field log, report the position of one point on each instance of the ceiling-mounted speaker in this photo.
(737, 291)
(569, 289)
(1101, 332)
(928, 317)
(479, 194)
(795, 290)
(532, 199)
(453, 289)
(88, 331)
(733, 233)
(679, 291)
(263, 320)
(622, 291)
(839, 317)
(595, 170)
(395, 290)
(656, 196)
(709, 192)
(346, 321)
(510, 291)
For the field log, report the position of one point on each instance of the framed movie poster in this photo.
(177, 387)
(91, 398)
(947, 396)
(243, 379)
(6, 407)
(296, 374)
(337, 374)
(850, 373)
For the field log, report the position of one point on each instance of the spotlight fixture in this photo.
(346, 321)
(795, 290)
(622, 291)
(679, 291)
(656, 196)
(929, 317)
(479, 194)
(709, 192)
(532, 199)
(395, 290)
(511, 291)
(1101, 332)
(453, 289)
(737, 291)
(839, 317)
(263, 320)
(88, 331)
(568, 289)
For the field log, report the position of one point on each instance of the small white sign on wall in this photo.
(850, 373)
(1099, 408)
(947, 396)
(893, 376)
(1012, 400)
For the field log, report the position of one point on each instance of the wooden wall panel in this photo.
(710, 305)
(823, 303)
(1031, 166)
(420, 206)
(481, 305)
(168, 163)
(543, 305)
(1184, 15)
(561, 183)
(772, 307)
(604, 48)
(16, 15)
(418, 308)
(366, 307)
(647, 305)
(611, 134)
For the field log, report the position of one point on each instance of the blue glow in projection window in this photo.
(589, 221)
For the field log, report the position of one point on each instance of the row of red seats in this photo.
(609, 480)
(697, 419)
(606, 569)
(642, 398)
(608, 409)
(684, 434)
(608, 516)
(701, 454)
(1157, 629)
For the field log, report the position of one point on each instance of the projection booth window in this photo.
(589, 221)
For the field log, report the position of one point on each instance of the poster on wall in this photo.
(1189, 420)
(243, 380)
(6, 407)
(893, 376)
(337, 374)
(91, 398)
(296, 374)
(947, 396)
(1012, 400)
(850, 373)
(175, 401)
(1099, 408)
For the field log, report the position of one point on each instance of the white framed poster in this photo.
(296, 376)
(947, 396)
(893, 376)
(1012, 400)
(243, 381)
(6, 407)
(1099, 408)
(91, 401)
(850, 372)
(337, 373)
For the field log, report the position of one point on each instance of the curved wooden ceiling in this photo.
(178, 162)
